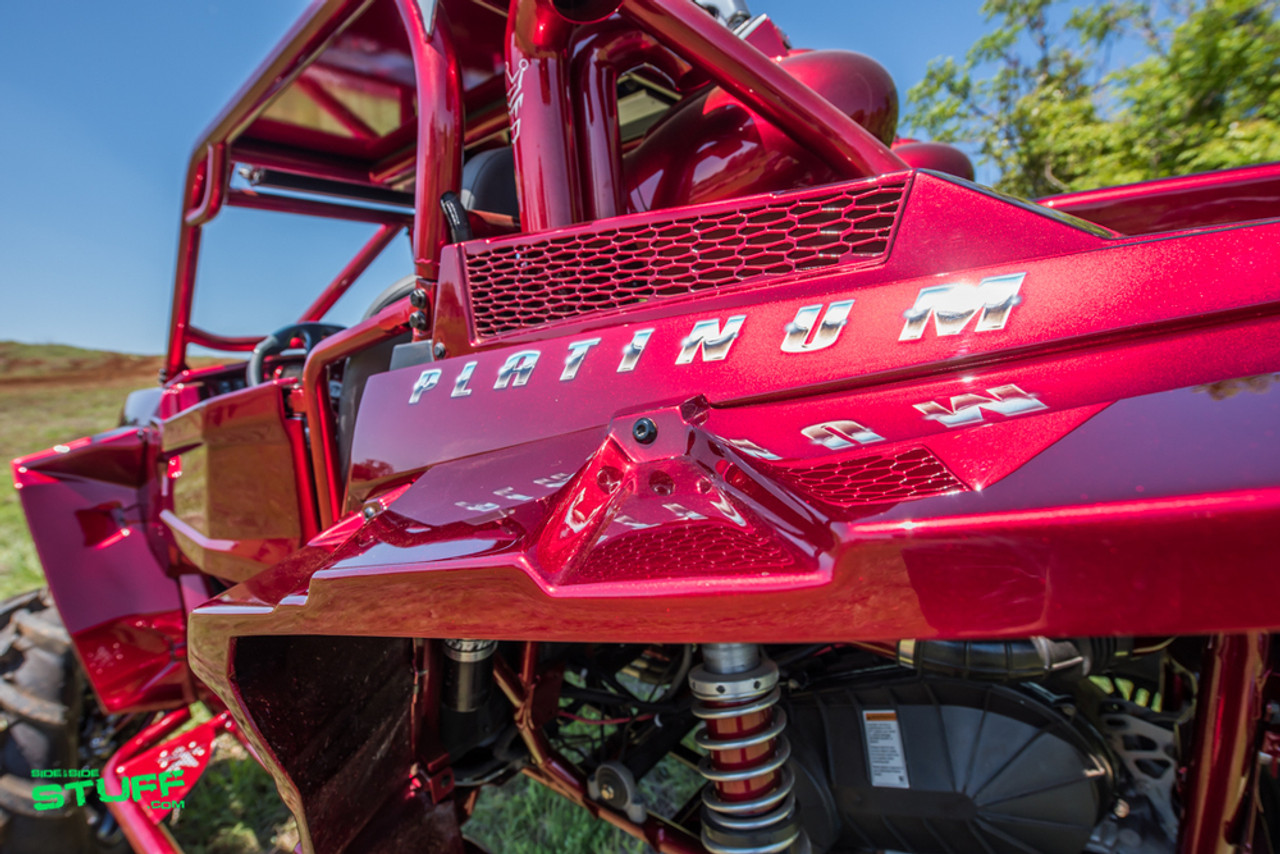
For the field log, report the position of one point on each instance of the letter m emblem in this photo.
(953, 306)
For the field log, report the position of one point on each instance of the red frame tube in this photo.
(541, 116)
(142, 833)
(208, 189)
(354, 269)
(599, 57)
(389, 322)
(558, 774)
(257, 153)
(1228, 707)
(751, 77)
(227, 343)
(440, 110)
(200, 203)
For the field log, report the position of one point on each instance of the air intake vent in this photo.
(520, 282)
(875, 479)
(686, 550)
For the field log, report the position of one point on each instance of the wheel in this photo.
(42, 694)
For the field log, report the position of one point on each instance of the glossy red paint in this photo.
(541, 115)
(937, 156)
(439, 134)
(600, 56)
(715, 146)
(690, 538)
(388, 323)
(848, 148)
(142, 833)
(225, 524)
(973, 418)
(1226, 756)
(87, 504)
(190, 752)
(1231, 195)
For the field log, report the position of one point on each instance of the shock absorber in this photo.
(748, 806)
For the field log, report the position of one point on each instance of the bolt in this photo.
(660, 483)
(370, 509)
(418, 320)
(439, 351)
(607, 793)
(645, 431)
(418, 298)
(1121, 809)
(609, 478)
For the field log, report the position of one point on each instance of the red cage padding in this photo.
(521, 282)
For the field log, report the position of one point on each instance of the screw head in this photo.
(645, 431)
(1121, 809)
(439, 351)
(418, 298)
(370, 509)
(607, 793)
(418, 320)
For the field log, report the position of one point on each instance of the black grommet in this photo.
(645, 431)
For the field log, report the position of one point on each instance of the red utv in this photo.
(953, 517)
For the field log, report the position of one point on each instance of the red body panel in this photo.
(106, 570)
(873, 408)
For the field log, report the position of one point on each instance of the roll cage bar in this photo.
(565, 133)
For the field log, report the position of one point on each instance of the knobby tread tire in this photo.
(17, 798)
(42, 632)
(41, 696)
(48, 713)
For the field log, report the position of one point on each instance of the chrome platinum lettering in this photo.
(460, 384)
(953, 306)
(751, 449)
(707, 337)
(516, 369)
(798, 330)
(631, 352)
(1007, 400)
(577, 353)
(426, 381)
(840, 434)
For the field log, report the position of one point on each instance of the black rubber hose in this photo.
(1034, 658)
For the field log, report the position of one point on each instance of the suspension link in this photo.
(748, 805)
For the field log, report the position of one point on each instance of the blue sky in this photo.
(102, 103)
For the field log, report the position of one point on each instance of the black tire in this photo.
(42, 695)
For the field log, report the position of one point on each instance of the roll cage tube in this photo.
(438, 159)
(540, 43)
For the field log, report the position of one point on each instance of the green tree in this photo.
(1038, 101)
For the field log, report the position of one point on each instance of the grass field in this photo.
(51, 394)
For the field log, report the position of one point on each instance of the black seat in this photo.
(489, 182)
